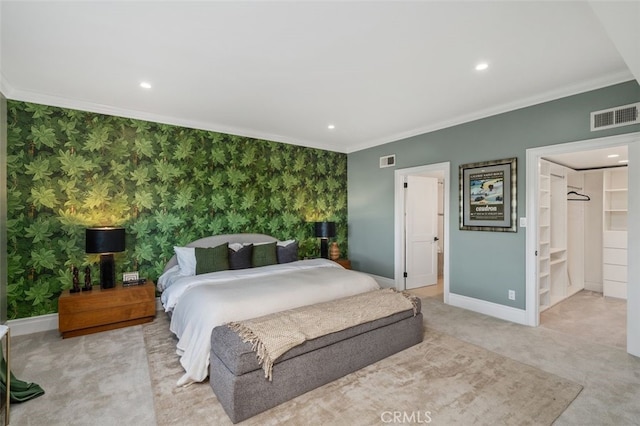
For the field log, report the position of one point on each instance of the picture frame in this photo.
(130, 276)
(488, 196)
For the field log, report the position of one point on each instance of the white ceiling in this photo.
(283, 71)
(616, 156)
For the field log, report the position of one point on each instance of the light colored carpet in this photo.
(99, 379)
(444, 380)
(591, 316)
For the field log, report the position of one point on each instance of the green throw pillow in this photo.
(264, 254)
(212, 259)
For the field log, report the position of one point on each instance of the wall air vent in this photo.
(388, 161)
(615, 117)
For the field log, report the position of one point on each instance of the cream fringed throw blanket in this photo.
(273, 335)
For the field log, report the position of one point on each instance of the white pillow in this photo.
(235, 246)
(167, 278)
(285, 243)
(186, 260)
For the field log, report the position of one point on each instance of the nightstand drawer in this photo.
(105, 309)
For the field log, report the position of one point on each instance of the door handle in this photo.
(436, 239)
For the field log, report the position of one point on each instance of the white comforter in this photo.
(201, 302)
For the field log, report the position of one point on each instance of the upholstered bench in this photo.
(239, 381)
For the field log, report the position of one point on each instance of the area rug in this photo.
(441, 381)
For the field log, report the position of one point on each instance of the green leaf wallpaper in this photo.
(68, 170)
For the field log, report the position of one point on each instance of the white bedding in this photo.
(201, 302)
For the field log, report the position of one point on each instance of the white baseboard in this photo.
(31, 325)
(383, 281)
(506, 313)
(22, 326)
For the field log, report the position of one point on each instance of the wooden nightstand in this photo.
(105, 309)
(345, 263)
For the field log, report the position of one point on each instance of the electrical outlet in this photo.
(512, 295)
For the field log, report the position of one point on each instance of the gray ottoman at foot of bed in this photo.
(239, 383)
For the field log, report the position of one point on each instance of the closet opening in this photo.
(582, 244)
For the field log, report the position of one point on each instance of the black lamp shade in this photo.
(105, 240)
(325, 229)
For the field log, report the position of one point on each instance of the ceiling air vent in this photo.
(615, 117)
(388, 161)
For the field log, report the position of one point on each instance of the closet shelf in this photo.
(543, 291)
(554, 250)
(557, 262)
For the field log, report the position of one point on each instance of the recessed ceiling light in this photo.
(613, 155)
(623, 161)
(482, 66)
(145, 85)
(331, 126)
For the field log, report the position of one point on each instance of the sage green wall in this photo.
(484, 265)
(166, 185)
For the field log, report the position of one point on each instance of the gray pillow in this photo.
(241, 259)
(288, 253)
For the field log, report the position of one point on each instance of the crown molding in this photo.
(61, 102)
(565, 91)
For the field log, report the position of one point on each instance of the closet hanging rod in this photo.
(575, 187)
(558, 176)
(577, 194)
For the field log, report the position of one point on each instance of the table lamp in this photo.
(105, 241)
(324, 231)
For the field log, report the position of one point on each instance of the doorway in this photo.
(632, 142)
(411, 243)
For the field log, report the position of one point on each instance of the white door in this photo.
(421, 221)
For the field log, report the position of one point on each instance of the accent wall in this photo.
(166, 185)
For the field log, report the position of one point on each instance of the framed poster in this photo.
(488, 196)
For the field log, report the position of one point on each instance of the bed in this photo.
(198, 303)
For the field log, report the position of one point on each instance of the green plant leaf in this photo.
(74, 165)
(43, 135)
(38, 293)
(38, 110)
(141, 175)
(43, 258)
(143, 147)
(184, 198)
(144, 199)
(184, 149)
(167, 221)
(236, 177)
(43, 196)
(166, 171)
(236, 221)
(39, 230)
(39, 168)
(98, 139)
(144, 251)
(218, 201)
(97, 195)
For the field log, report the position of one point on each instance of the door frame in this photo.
(432, 170)
(533, 155)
